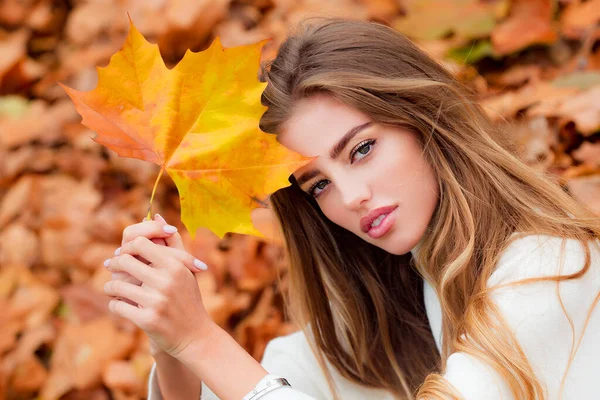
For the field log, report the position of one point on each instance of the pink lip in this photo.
(366, 221)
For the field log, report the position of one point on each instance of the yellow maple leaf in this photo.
(198, 121)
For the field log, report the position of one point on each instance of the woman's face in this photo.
(369, 179)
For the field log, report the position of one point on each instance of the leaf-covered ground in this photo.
(64, 199)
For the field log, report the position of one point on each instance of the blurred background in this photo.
(65, 200)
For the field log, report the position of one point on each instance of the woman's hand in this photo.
(169, 304)
(158, 231)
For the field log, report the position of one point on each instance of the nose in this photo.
(353, 193)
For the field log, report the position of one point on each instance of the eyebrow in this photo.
(335, 151)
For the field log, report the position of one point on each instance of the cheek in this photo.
(334, 212)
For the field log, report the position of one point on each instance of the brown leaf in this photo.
(9, 278)
(122, 375)
(41, 123)
(588, 153)
(433, 19)
(535, 140)
(47, 16)
(587, 190)
(14, 12)
(516, 75)
(81, 353)
(583, 109)
(579, 16)
(16, 199)
(32, 338)
(12, 50)
(18, 245)
(245, 263)
(66, 202)
(190, 24)
(507, 104)
(8, 334)
(84, 302)
(29, 375)
(529, 22)
(33, 303)
(381, 9)
(91, 19)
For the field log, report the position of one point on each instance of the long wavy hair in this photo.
(361, 307)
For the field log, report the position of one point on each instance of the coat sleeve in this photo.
(284, 356)
(534, 313)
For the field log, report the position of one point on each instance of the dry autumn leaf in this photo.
(199, 122)
(530, 22)
(432, 19)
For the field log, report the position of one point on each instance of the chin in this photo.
(391, 244)
(398, 250)
(396, 244)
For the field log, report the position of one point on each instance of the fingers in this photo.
(150, 230)
(129, 311)
(124, 276)
(160, 256)
(137, 269)
(136, 294)
(174, 240)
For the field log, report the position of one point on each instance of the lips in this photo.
(367, 220)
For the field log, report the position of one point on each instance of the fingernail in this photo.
(158, 216)
(117, 251)
(200, 265)
(169, 229)
(106, 262)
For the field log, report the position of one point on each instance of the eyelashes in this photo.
(358, 149)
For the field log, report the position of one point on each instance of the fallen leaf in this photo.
(18, 246)
(530, 22)
(432, 19)
(29, 375)
(90, 19)
(507, 104)
(579, 16)
(535, 140)
(84, 302)
(17, 198)
(8, 334)
(381, 9)
(33, 304)
(81, 353)
(588, 153)
(120, 374)
(12, 50)
(580, 79)
(582, 108)
(41, 122)
(587, 190)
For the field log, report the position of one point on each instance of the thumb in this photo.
(173, 240)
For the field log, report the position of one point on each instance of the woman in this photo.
(426, 260)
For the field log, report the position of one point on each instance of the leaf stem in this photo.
(160, 174)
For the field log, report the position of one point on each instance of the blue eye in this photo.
(321, 185)
(363, 149)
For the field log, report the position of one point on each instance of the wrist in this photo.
(161, 356)
(155, 351)
(204, 338)
(223, 365)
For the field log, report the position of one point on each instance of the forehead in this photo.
(317, 123)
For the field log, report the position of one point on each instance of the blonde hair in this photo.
(362, 307)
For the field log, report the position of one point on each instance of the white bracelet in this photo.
(267, 384)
